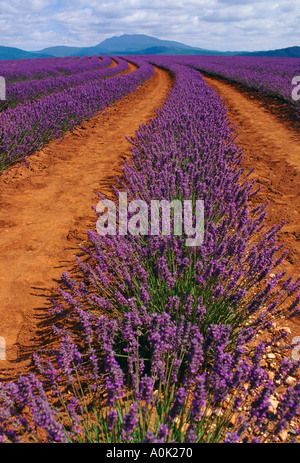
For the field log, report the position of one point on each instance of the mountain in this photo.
(133, 42)
(289, 52)
(130, 44)
(59, 51)
(138, 44)
(17, 53)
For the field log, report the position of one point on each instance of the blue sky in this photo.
(216, 24)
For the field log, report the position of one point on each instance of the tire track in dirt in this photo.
(46, 210)
(271, 143)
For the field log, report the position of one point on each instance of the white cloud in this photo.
(215, 24)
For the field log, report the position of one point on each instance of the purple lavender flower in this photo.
(111, 419)
(232, 438)
(199, 398)
(162, 433)
(129, 423)
(146, 389)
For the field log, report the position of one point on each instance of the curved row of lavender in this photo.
(26, 128)
(269, 76)
(29, 69)
(28, 90)
(161, 342)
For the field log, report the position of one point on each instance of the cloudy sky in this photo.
(215, 24)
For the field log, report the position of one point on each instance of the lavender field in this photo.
(159, 342)
(268, 76)
(39, 109)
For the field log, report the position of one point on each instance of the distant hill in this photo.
(59, 51)
(17, 53)
(131, 44)
(289, 52)
(138, 44)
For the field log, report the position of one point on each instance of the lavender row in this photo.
(22, 92)
(269, 76)
(28, 69)
(28, 127)
(158, 338)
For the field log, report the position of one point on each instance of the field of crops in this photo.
(55, 97)
(160, 342)
(272, 77)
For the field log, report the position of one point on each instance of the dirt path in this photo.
(46, 209)
(271, 142)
